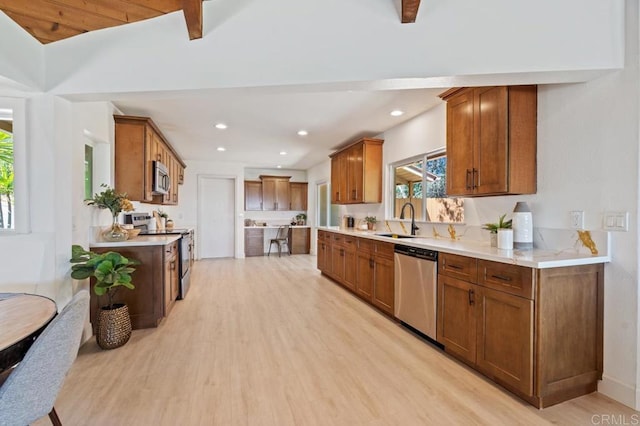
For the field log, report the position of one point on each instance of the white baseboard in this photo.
(621, 392)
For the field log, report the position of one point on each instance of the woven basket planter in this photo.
(114, 327)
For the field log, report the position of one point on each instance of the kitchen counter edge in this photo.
(535, 258)
(139, 241)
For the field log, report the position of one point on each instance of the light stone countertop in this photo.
(140, 240)
(535, 258)
(275, 226)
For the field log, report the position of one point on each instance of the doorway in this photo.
(216, 217)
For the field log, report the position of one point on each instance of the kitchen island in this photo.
(156, 279)
(532, 321)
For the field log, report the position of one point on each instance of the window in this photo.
(14, 193)
(421, 182)
(7, 199)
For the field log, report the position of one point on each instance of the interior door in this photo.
(216, 221)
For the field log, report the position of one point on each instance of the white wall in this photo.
(22, 65)
(295, 42)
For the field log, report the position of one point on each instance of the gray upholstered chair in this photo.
(31, 389)
(281, 239)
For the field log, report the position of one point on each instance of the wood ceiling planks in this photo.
(410, 11)
(53, 20)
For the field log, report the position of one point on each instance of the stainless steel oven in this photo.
(186, 258)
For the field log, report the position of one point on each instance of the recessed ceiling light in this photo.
(283, 152)
(279, 166)
(396, 113)
(221, 126)
(302, 133)
(222, 148)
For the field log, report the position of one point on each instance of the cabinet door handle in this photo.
(451, 266)
(475, 179)
(467, 184)
(354, 194)
(370, 262)
(341, 252)
(472, 297)
(501, 277)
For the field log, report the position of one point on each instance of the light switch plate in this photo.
(616, 221)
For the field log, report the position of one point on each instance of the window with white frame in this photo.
(7, 195)
(421, 182)
(14, 211)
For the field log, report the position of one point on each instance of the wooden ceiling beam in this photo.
(192, 10)
(410, 11)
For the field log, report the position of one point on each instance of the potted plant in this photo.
(111, 271)
(371, 222)
(493, 228)
(301, 219)
(164, 218)
(115, 202)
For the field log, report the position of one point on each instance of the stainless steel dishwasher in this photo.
(415, 288)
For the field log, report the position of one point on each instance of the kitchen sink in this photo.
(395, 235)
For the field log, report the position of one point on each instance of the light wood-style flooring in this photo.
(269, 341)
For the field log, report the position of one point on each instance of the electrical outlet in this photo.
(577, 219)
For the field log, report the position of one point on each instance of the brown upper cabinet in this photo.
(298, 193)
(138, 143)
(252, 195)
(356, 173)
(275, 192)
(491, 140)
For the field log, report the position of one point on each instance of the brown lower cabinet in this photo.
(363, 266)
(299, 240)
(156, 280)
(253, 242)
(537, 332)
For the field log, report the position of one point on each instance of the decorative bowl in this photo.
(133, 232)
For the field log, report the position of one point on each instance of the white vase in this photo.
(505, 239)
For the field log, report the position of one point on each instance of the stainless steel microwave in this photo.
(161, 180)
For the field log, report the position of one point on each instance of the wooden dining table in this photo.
(22, 318)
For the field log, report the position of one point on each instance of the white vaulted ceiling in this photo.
(336, 68)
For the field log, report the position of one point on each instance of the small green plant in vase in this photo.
(371, 222)
(493, 228)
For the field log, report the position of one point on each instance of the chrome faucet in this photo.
(414, 228)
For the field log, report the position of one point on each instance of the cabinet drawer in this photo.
(322, 235)
(512, 279)
(171, 249)
(461, 267)
(383, 249)
(350, 243)
(336, 238)
(365, 245)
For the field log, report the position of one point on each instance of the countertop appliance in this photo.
(416, 277)
(139, 220)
